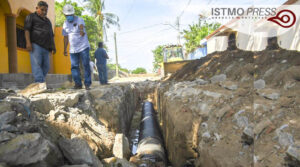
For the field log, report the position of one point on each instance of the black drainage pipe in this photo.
(150, 149)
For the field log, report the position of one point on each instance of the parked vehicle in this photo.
(173, 59)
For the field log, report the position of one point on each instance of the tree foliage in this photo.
(139, 70)
(92, 29)
(60, 17)
(104, 20)
(158, 57)
(196, 33)
(113, 67)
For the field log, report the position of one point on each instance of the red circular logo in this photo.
(285, 18)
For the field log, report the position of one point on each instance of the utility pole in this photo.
(178, 29)
(117, 64)
(176, 26)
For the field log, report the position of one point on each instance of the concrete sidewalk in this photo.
(20, 81)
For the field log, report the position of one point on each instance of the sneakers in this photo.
(80, 87)
(104, 83)
(77, 87)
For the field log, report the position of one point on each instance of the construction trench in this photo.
(231, 108)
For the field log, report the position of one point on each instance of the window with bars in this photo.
(21, 41)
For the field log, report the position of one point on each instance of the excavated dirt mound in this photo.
(275, 66)
(233, 108)
(216, 63)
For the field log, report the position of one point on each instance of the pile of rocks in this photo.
(67, 127)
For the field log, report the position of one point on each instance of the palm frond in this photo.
(102, 5)
(104, 20)
(111, 15)
(104, 33)
(111, 19)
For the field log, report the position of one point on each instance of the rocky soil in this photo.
(67, 127)
(233, 108)
(228, 109)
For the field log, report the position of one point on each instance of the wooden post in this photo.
(12, 43)
(116, 51)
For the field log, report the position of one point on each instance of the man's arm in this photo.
(54, 50)
(28, 42)
(106, 56)
(66, 42)
(27, 28)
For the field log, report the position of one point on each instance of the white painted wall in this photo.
(291, 39)
(257, 41)
(254, 42)
(217, 43)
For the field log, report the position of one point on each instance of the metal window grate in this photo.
(21, 42)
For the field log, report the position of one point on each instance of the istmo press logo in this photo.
(285, 18)
(268, 21)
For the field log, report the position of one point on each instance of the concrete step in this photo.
(20, 81)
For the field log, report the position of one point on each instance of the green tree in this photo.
(158, 57)
(139, 70)
(196, 33)
(113, 67)
(92, 29)
(104, 20)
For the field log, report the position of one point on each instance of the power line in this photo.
(138, 29)
(142, 28)
(143, 44)
(129, 9)
(142, 41)
(185, 8)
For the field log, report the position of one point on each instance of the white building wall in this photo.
(217, 43)
(291, 39)
(244, 41)
(255, 42)
(258, 41)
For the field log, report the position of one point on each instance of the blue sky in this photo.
(145, 24)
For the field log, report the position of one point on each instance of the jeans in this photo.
(39, 58)
(85, 58)
(102, 73)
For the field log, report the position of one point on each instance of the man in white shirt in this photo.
(75, 34)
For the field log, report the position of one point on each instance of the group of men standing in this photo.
(40, 42)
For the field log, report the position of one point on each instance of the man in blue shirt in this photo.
(75, 34)
(101, 57)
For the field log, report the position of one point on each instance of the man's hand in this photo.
(65, 53)
(53, 51)
(82, 33)
(81, 27)
(28, 42)
(29, 47)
